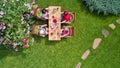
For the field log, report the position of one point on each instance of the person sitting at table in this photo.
(66, 16)
(45, 13)
(65, 32)
(43, 30)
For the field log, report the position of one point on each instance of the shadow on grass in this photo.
(41, 22)
(37, 38)
(53, 43)
(4, 52)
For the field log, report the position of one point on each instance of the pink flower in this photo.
(28, 32)
(2, 24)
(25, 46)
(8, 42)
(2, 13)
(26, 40)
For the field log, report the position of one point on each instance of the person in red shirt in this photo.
(65, 32)
(66, 16)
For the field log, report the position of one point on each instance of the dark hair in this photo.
(44, 11)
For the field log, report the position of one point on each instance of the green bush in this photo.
(104, 6)
(14, 32)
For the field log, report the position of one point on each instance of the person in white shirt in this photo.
(43, 30)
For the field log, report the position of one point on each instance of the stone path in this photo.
(78, 65)
(85, 55)
(118, 21)
(105, 33)
(112, 26)
(96, 42)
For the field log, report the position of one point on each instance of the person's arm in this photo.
(47, 31)
(62, 12)
(66, 34)
(46, 17)
(63, 21)
(42, 35)
(44, 26)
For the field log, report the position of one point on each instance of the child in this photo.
(43, 30)
(66, 16)
(45, 13)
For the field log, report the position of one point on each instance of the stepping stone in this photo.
(112, 26)
(96, 42)
(105, 32)
(78, 65)
(85, 55)
(118, 21)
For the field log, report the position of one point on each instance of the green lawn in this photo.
(67, 52)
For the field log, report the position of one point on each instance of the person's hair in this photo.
(65, 12)
(44, 11)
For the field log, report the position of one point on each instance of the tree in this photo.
(103, 6)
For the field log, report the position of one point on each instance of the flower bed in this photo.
(15, 24)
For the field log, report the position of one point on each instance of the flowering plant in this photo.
(15, 23)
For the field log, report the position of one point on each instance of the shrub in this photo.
(104, 6)
(12, 37)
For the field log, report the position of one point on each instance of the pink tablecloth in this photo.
(54, 23)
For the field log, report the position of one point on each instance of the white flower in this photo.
(28, 6)
(22, 18)
(17, 0)
(28, 32)
(14, 45)
(25, 4)
(33, 2)
(4, 27)
(28, 25)
(33, 39)
(9, 25)
(32, 12)
(2, 13)
(24, 30)
(23, 22)
(12, 0)
(29, 28)
(4, 1)
(1, 16)
(19, 43)
(16, 49)
(3, 4)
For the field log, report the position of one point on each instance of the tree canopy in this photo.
(104, 6)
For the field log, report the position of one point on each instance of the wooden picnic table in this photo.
(54, 23)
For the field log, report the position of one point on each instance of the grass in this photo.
(67, 52)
